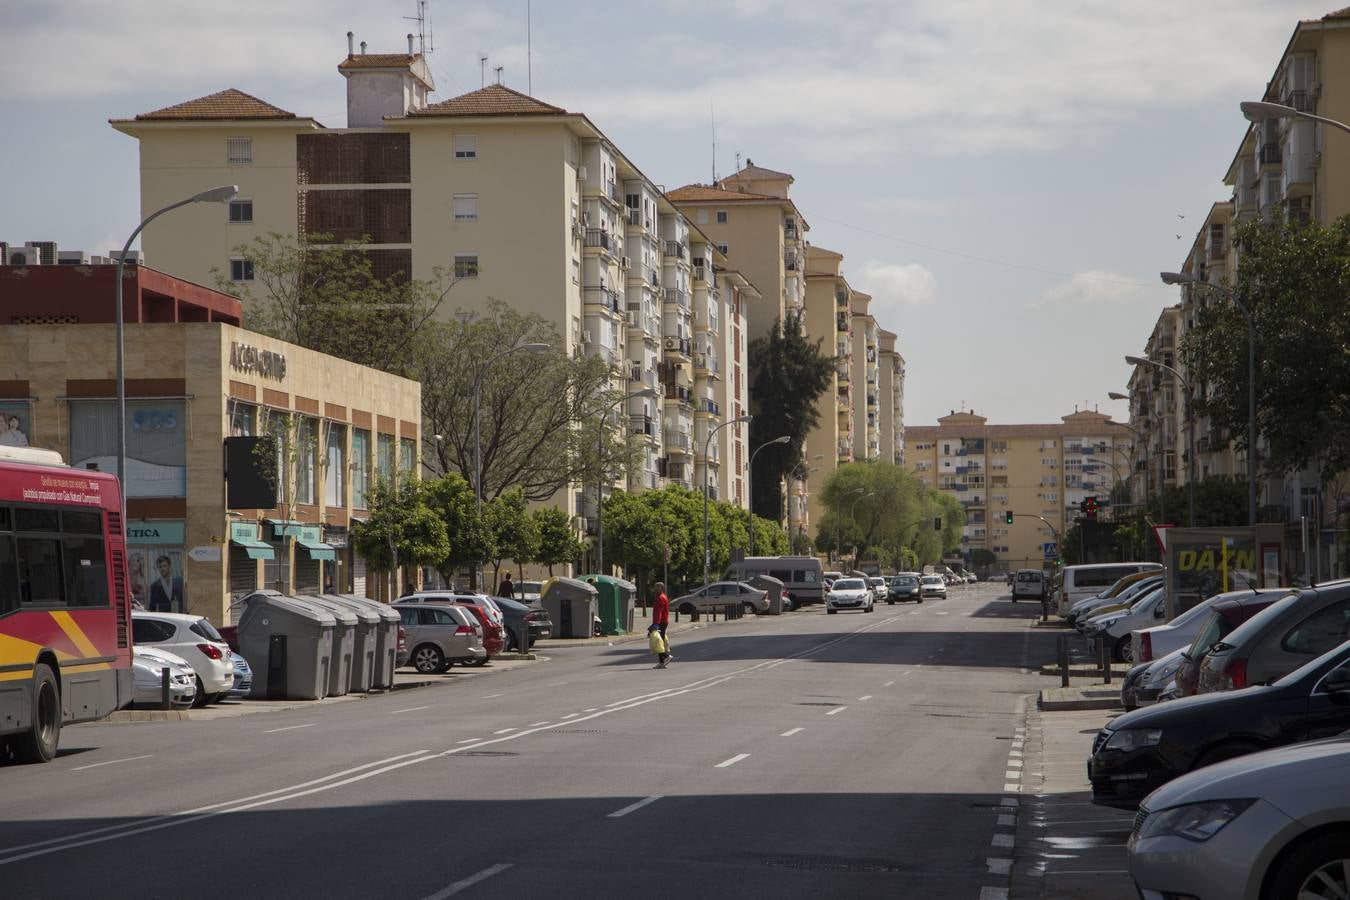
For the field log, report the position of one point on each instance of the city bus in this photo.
(65, 611)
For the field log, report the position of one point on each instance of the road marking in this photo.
(916, 613)
(557, 684)
(633, 807)
(864, 697)
(1015, 754)
(731, 762)
(837, 709)
(1011, 787)
(888, 684)
(536, 724)
(491, 696)
(571, 715)
(1004, 841)
(592, 709)
(111, 762)
(1014, 764)
(790, 732)
(993, 893)
(941, 612)
(289, 728)
(451, 890)
(468, 741)
(409, 709)
(1007, 821)
(998, 866)
(506, 731)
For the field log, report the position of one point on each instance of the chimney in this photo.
(363, 48)
(350, 48)
(410, 46)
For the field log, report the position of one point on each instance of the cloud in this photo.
(894, 286)
(1095, 287)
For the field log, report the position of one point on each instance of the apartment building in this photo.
(828, 317)
(890, 398)
(518, 200)
(865, 359)
(1040, 472)
(1157, 411)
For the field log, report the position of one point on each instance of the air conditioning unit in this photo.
(72, 258)
(672, 343)
(23, 256)
(581, 173)
(132, 256)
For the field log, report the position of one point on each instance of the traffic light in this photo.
(1008, 517)
(1090, 508)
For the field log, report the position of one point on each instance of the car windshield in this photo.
(1210, 633)
(849, 584)
(1257, 623)
(205, 629)
(905, 580)
(1028, 576)
(932, 579)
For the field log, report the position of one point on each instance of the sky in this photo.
(1005, 178)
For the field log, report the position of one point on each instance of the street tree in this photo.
(513, 531)
(401, 525)
(470, 539)
(558, 541)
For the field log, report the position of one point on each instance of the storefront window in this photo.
(335, 466)
(155, 564)
(384, 470)
(156, 443)
(278, 425)
(407, 458)
(243, 419)
(361, 467)
(307, 448)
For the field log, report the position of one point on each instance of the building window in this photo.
(239, 151)
(466, 265)
(156, 443)
(241, 211)
(721, 217)
(407, 459)
(466, 146)
(335, 465)
(724, 248)
(241, 270)
(384, 458)
(465, 207)
(306, 449)
(360, 467)
(576, 271)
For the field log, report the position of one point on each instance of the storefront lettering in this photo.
(1191, 560)
(247, 358)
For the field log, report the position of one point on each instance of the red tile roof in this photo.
(227, 104)
(379, 60)
(693, 193)
(493, 100)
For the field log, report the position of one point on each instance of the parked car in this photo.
(1146, 682)
(1223, 617)
(1117, 627)
(529, 592)
(1080, 582)
(516, 612)
(932, 586)
(1279, 639)
(971, 578)
(1111, 600)
(1264, 827)
(1029, 583)
(243, 678)
(904, 586)
(1160, 640)
(147, 674)
(717, 595)
(1142, 750)
(440, 635)
(851, 593)
(493, 635)
(879, 587)
(196, 640)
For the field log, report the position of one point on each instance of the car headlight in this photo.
(1194, 821)
(1165, 674)
(1127, 739)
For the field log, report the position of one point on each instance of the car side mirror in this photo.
(1160, 613)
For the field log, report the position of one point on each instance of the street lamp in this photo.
(750, 483)
(707, 445)
(1178, 278)
(1190, 433)
(1257, 110)
(852, 506)
(222, 194)
(600, 478)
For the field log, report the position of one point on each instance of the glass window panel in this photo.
(360, 467)
(82, 522)
(37, 519)
(39, 565)
(156, 446)
(384, 463)
(407, 456)
(9, 577)
(86, 572)
(307, 439)
(335, 466)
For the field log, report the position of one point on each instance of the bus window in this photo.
(39, 565)
(86, 571)
(9, 576)
(36, 520)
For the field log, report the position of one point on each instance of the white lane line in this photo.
(1014, 764)
(941, 612)
(998, 866)
(571, 715)
(1004, 841)
(993, 893)
(491, 696)
(1007, 821)
(888, 684)
(506, 731)
(536, 724)
(289, 728)
(557, 684)
(468, 741)
(409, 709)
(791, 731)
(111, 762)
(451, 890)
(1011, 787)
(633, 807)
(837, 709)
(731, 762)
(864, 697)
(592, 709)
(916, 613)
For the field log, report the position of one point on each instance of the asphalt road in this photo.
(846, 755)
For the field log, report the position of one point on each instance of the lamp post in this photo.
(1190, 432)
(852, 506)
(707, 445)
(1178, 278)
(838, 522)
(1256, 110)
(222, 194)
(600, 478)
(750, 483)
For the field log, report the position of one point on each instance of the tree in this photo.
(879, 503)
(982, 558)
(513, 531)
(788, 373)
(558, 542)
(402, 522)
(1294, 280)
(470, 538)
(1219, 501)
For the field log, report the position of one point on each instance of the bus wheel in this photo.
(38, 744)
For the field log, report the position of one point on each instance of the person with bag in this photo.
(660, 620)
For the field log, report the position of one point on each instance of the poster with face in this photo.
(14, 424)
(156, 575)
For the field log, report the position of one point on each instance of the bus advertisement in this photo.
(65, 612)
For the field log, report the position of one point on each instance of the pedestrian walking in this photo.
(660, 620)
(506, 588)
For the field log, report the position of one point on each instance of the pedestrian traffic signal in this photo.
(1090, 508)
(1008, 517)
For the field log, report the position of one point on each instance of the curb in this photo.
(1066, 699)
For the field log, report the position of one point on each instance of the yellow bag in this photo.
(657, 642)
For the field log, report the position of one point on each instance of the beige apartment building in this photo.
(1039, 472)
(865, 363)
(1157, 412)
(827, 317)
(516, 199)
(890, 398)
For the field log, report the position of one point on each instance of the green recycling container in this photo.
(616, 600)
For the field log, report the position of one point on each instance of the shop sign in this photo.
(335, 536)
(156, 533)
(243, 531)
(248, 358)
(310, 534)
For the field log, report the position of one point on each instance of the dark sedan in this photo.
(902, 588)
(514, 612)
(1145, 749)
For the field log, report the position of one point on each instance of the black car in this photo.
(513, 612)
(903, 587)
(1145, 749)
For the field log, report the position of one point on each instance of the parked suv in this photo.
(1029, 583)
(1284, 636)
(439, 635)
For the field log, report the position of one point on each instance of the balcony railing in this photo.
(1270, 153)
(676, 440)
(841, 298)
(676, 249)
(635, 217)
(678, 393)
(682, 346)
(606, 297)
(1299, 100)
(790, 262)
(709, 406)
(598, 238)
(608, 354)
(675, 295)
(842, 372)
(641, 424)
(612, 191)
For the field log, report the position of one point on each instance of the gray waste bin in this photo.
(344, 642)
(571, 605)
(288, 644)
(773, 591)
(386, 640)
(368, 623)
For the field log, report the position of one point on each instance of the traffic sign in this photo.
(1050, 549)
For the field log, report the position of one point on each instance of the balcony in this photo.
(677, 345)
(871, 400)
(790, 262)
(613, 192)
(676, 249)
(642, 424)
(678, 393)
(675, 295)
(841, 299)
(700, 271)
(635, 219)
(595, 237)
(676, 442)
(1299, 100)
(842, 372)
(1270, 154)
(642, 321)
(843, 389)
(845, 447)
(707, 366)
(606, 297)
(607, 353)
(790, 232)
(709, 407)
(841, 322)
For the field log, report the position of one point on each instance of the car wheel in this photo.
(202, 697)
(1123, 651)
(749, 609)
(1318, 868)
(687, 610)
(427, 659)
(831, 610)
(38, 744)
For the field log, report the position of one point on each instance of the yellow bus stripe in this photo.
(15, 650)
(77, 637)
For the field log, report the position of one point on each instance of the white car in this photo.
(194, 639)
(878, 585)
(850, 593)
(1148, 610)
(147, 678)
(464, 598)
(932, 586)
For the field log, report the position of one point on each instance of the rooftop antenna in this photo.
(712, 115)
(482, 69)
(498, 70)
(421, 19)
(529, 54)
(738, 160)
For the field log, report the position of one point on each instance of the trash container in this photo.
(368, 623)
(571, 605)
(773, 590)
(344, 642)
(615, 598)
(386, 639)
(289, 645)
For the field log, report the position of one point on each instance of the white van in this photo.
(803, 576)
(1080, 582)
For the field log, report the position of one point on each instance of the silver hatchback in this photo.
(440, 635)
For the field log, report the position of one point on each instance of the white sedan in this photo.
(195, 640)
(850, 593)
(932, 586)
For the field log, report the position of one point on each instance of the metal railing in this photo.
(1269, 153)
(598, 238)
(603, 296)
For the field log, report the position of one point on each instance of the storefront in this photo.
(155, 564)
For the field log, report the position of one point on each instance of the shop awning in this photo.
(285, 527)
(255, 549)
(318, 550)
